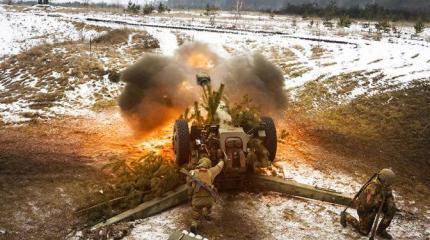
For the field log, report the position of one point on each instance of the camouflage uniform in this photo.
(368, 203)
(259, 155)
(202, 201)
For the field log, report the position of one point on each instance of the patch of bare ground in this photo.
(48, 170)
(366, 134)
(230, 223)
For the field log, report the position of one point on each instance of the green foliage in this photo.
(344, 21)
(132, 7)
(211, 101)
(244, 113)
(328, 24)
(369, 12)
(210, 10)
(419, 27)
(151, 174)
(136, 181)
(195, 117)
(162, 8)
(330, 11)
(148, 9)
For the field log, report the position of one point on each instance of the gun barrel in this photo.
(203, 79)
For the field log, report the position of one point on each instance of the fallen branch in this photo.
(80, 211)
(149, 208)
(98, 205)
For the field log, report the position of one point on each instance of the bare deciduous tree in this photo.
(239, 5)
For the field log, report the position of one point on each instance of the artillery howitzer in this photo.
(241, 146)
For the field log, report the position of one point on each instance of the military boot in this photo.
(193, 227)
(384, 234)
(343, 219)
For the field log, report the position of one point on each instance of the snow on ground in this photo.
(23, 30)
(276, 216)
(400, 60)
(305, 174)
(167, 39)
(291, 43)
(399, 56)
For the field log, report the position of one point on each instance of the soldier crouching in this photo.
(369, 202)
(202, 200)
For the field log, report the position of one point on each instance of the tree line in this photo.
(147, 8)
(368, 12)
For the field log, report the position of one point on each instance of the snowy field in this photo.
(305, 53)
(275, 217)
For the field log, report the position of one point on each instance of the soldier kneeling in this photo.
(202, 200)
(369, 202)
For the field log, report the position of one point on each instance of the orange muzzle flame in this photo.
(200, 61)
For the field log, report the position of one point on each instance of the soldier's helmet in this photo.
(387, 176)
(204, 163)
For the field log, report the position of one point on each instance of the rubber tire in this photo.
(271, 140)
(181, 142)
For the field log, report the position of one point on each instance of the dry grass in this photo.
(317, 52)
(181, 38)
(115, 36)
(39, 63)
(57, 68)
(298, 72)
(80, 26)
(92, 9)
(393, 125)
(328, 64)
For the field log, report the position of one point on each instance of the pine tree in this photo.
(419, 27)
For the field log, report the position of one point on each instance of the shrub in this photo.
(383, 25)
(328, 24)
(132, 7)
(133, 182)
(148, 9)
(210, 9)
(113, 37)
(419, 27)
(344, 21)
(294, 23)
(162, 8)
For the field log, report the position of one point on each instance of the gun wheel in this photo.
(181, 142)
(271, 140)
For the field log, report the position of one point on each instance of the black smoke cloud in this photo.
(159, 88)
(256, 77)
(155, 92)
